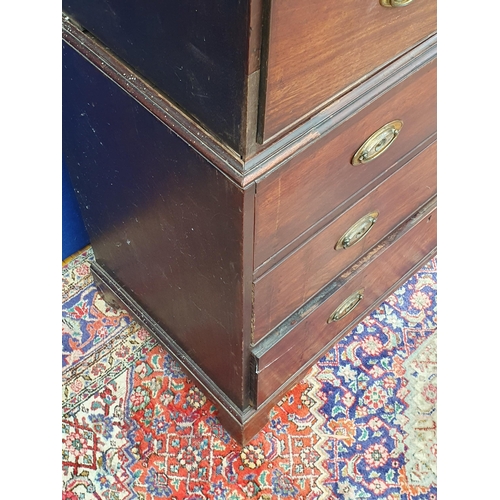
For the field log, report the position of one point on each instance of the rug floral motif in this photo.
(361, 425)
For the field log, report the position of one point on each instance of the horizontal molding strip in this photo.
(272, 156)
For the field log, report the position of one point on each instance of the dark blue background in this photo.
(74, 235)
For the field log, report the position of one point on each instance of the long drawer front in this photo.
(336, 167)
(318, 49)
(342, 303)
(283, 289)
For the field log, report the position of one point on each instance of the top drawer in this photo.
(319, 49)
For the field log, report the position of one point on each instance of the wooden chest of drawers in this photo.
(255, 177)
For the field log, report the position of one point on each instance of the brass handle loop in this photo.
(395, 3)
(347, 306)
(357, 231)
(377, 143)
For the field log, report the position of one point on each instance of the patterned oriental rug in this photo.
(361, 425)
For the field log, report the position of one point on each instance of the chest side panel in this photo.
(163, 222)
(193, 51)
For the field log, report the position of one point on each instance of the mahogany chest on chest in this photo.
(255, 175)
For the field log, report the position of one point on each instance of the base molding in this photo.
(239, 423)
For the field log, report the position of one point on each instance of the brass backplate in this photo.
(347, 306)
(357, 231)
(377, 143)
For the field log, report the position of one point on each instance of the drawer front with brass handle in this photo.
(319, 49)
(336, 167)
(285, 287)
(360, 288)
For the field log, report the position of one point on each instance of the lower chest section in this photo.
(248, 281)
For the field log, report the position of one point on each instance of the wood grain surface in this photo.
(318, 49)
(163, 222)
(316, 181)
(286, 287)
(374, 273)
(196, 52)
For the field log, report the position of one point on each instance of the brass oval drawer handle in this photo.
(347, 306)
(395, 3)
(357, 231)
(377, 143)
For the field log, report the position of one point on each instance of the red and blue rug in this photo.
(362, 425)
